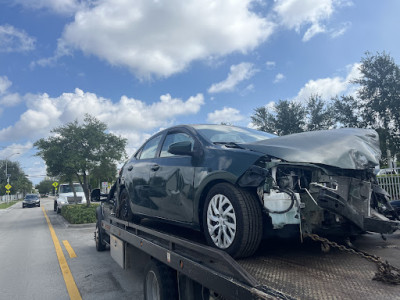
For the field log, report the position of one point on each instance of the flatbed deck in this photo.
(280, 269)
(303, 271)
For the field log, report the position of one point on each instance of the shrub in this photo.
(79, 213)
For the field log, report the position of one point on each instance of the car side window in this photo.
(150, 148)
(174, 138)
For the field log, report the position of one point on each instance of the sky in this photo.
(143, 65)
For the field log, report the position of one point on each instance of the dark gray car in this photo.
(238, 185)
(31, 200)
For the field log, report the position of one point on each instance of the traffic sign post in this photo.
(8, 187)
(55, 184)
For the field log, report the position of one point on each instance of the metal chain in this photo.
(386, 272)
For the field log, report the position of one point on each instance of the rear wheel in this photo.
(232, 220)
(160, 282)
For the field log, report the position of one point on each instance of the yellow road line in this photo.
(68, 278)
(70, 251)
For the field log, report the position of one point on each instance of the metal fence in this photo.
(391, 182)
(8, 198)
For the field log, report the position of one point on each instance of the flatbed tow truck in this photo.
(180, 266)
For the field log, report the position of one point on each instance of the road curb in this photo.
(86, 225)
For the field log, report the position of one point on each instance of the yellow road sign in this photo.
(55, 184)
(8, 191)
(8, 186)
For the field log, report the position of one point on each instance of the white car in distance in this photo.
(65, 196)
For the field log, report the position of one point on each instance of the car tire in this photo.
(232, 220)
(58, 210)
(55, 205)
(124, 211)
(39, 205)
(23, 206)
(160, 282)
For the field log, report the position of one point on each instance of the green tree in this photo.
(379, 95)
(45, 186)
(289, 117)
(18, 179)
(346, 112)
(264, 120)
(320, 114)
(286, 117)
(76, 150)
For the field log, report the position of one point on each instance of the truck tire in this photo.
(124, 211)
(232, 220)
(99, 237)
(160, 282)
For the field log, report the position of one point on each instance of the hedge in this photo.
(79, 213)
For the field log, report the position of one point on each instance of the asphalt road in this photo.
(30, 268)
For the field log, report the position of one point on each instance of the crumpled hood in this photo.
(347, 148)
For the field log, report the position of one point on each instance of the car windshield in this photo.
(67, 189)
(30, 197)
(231, 134)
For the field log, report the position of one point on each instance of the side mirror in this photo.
(181, 148)
(95, 195)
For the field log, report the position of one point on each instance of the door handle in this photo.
(155, 167)
(130, 168)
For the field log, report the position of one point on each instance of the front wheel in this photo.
(99, 239)
(232, 220)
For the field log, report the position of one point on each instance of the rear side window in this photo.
(174, 138)
(150, 148)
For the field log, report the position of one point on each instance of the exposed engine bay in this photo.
(323, 199)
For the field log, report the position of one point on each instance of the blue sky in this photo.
(143, 65)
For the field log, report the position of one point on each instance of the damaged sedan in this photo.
(240, 185)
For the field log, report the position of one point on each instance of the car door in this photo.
(137, 177)
(171, 180)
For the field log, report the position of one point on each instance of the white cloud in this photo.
(160, 38)
(312, 31)
(279, 77)
(10, 100)
(4, 84)
(58, 6)
(237, 74)
(226, 115)
(15, 40)
(16, 150)
(341, 30)
(270, 65)
(6, 98)
(294, 14)
(247, 90)
(331, 86)
(129, 117)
